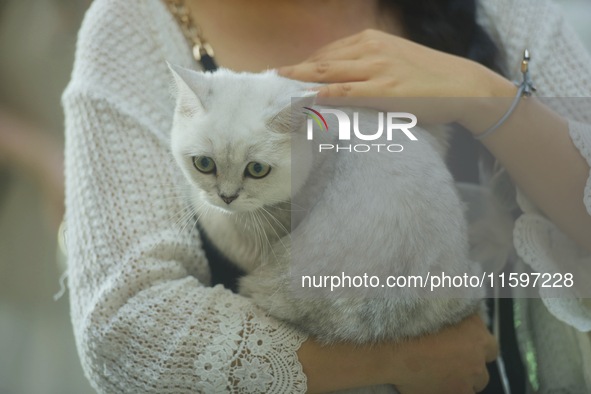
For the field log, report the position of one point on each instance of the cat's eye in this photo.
(204, 164)
(257, 170)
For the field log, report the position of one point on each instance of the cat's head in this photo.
(234, 135)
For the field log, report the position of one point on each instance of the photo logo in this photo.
(317, 117)
(388, 123)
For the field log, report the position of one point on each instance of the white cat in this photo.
(281, 210)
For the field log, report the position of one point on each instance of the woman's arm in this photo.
(144, 319)
(534, 145)
(449, 362)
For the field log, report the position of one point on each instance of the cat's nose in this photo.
(228, 199)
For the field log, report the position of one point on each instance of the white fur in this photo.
(320, 214)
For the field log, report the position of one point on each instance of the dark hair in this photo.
(450, 26)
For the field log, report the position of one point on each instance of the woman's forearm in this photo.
(344, 366)
(451, 361)
(534, 146)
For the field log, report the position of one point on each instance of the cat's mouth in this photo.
(233, 204)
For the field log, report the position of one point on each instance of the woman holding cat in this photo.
(144, 318)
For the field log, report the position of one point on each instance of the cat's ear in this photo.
(191, 89)
(293, 116)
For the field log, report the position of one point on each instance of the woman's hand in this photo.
(377, 64)
(449, 362)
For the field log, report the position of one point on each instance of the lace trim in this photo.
(539, 243)
(247, 355)
(579, 133)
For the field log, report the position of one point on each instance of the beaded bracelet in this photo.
(526, 89)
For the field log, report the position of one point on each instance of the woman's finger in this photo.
(328, 71)
(350, 52)
(354, 47)
(344, 42)
(482, 381)
(347, 89)
(491, 346)
(492, 350)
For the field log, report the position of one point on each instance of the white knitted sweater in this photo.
(144, 317)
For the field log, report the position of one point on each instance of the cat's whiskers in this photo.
(178, 195)
(258, 238)
(203, 209)
(183, 219)
(264, 235)
(285, 230)
(180, 216)
(272, 228)
(190, 219)
(277, 205)
(279, 238)
(190, 214)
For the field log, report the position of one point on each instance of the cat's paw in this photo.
(267, 287)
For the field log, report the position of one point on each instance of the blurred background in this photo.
(37, 42)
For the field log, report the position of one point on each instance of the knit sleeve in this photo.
(561, 68)
(144, 319)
